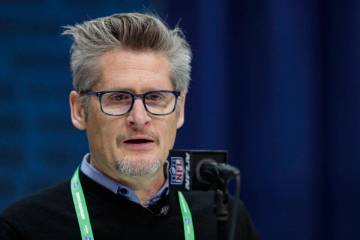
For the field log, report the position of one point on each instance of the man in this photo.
(130, 77)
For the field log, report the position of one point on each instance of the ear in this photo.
(78, 117)
(181, 117)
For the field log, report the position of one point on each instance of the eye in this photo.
(117, 97)
(154, 97)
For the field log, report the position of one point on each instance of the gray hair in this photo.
(133, 31)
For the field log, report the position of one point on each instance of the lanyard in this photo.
(84, 219)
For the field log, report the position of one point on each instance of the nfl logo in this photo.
(177, 170)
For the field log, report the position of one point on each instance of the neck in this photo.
(144, 186)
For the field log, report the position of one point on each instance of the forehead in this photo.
(137, 71)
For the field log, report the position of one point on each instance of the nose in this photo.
(138, 116)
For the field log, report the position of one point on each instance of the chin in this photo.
(138, 167)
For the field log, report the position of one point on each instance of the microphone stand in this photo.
(222, 213)
(217, 176)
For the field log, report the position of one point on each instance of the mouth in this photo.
(139, 143)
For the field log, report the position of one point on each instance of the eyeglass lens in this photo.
(157, 102)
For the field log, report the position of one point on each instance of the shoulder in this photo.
(40, 215)
(46, 198)
(202, 205)
(196, 198)
(203, 200)
(37, 210)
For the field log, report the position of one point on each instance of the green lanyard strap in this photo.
(84, 220)
(187, 219)
(80, 207)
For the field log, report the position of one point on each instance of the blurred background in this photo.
(275, 82)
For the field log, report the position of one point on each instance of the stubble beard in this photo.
(137, 168)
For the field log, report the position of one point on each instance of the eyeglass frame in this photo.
(134, 96)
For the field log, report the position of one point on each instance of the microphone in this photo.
(201, 170)
(214, 174)
(204, 170)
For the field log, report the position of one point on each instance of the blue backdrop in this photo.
(275, 82)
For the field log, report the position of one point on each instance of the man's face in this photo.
(137, 143)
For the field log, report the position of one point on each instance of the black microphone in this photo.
(190, 170)
(214, 174)
(201, 170)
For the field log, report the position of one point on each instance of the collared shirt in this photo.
(116, 187)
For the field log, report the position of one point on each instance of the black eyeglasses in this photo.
(117, 103)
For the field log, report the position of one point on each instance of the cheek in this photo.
(169, 133)
(100, 131)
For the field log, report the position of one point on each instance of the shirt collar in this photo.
(116, 187)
